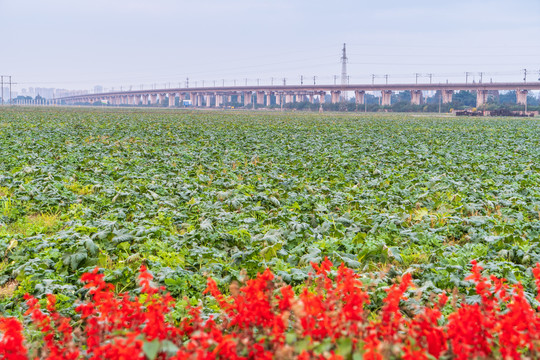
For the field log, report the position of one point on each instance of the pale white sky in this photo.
(79, 44)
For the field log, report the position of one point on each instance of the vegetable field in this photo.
(226, 195)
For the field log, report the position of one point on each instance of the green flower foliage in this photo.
(196, 194)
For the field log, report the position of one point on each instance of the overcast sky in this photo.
(77, 44)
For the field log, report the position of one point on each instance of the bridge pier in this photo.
(171, 99)
(153, 99)
(288, 98)
(322, 97)
(208, 98)
(260, 97)
(521, 96)
(335, 96)
(162, 99)
(247, 98)
(386, 99)
(268, 99)
(481, 97)
(278, 99)
(359, 96)
(447, 96)
(416, 97)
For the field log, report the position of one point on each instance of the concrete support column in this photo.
(260, 97)
(300, 98)
(180, 100)
(521, 96)
(322, 97)
(416, 97)
(145, 99)
(200, 99)
(386, 97)
(335, 96)
(288, 98)
(153, 99)
(447, 96)
(162, 98)
(208, 98)
(481, 97)
(129, 100)
(247, 98)
(278, 99)
(311, 98)
(171, 99)
(268, 99)
(359, 96)
(193, 98)
(136, 99)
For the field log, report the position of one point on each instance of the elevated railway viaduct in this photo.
(276, 95)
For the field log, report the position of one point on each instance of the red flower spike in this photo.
(254, 323)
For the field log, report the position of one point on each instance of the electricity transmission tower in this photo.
(2, 101)
(344, 72)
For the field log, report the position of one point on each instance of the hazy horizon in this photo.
(78, 45)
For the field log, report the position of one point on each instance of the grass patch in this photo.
(32, 225)
(7, 290)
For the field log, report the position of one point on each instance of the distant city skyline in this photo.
(84, 44)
